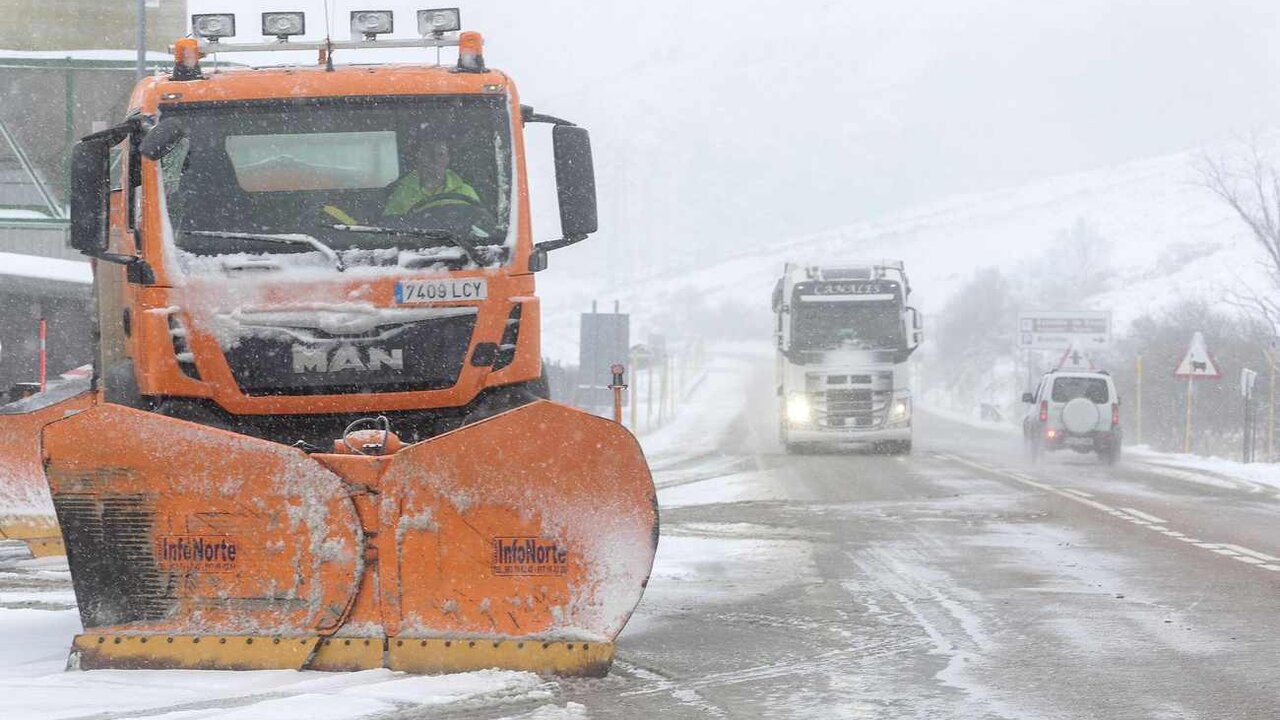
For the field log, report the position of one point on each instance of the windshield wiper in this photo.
(280, 239)
(465, 245)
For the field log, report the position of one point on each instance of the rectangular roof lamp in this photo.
(283, 25)
(434, 23)
(213, 26)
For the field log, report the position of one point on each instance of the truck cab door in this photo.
(915, 328)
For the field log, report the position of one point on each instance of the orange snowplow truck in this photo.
(318, 434)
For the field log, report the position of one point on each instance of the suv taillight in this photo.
(1044, 411)
(1115, 415)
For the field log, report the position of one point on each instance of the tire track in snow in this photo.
(930, 600)
(840, 659)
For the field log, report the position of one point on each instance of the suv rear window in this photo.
(1069, 388)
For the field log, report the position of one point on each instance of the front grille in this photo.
(853, 408)
(860, 401)
(400, 357)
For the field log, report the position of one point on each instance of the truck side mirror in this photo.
(91, 191)
(916, 328)
(1028, 398)
(575, 181)
(90, 195)
(162, 139)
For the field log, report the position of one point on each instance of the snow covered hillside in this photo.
(1171, 239)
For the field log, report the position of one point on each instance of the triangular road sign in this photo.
(1076, 359)
(1198, 364)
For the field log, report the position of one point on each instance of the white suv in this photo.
(1073, 410)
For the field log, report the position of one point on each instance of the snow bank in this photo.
(1264, 475)
(42, 268)
(35, 686)
(704, 416)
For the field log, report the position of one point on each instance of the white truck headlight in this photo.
(900, 409)
(798, 409)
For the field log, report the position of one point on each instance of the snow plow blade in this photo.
(26, 513)
(523, 541)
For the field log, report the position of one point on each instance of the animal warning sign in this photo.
(1198, 364)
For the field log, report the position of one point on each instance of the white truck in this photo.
(844, 334)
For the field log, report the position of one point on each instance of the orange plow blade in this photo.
(26, 512)
(523, 541)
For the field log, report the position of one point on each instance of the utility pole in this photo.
(1271, 406)
(141, 67)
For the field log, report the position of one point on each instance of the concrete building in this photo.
(88, 24)
(66, 69)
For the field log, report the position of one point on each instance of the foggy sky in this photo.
(719, 125)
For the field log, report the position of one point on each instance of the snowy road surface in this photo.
(959, 582)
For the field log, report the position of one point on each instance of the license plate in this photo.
(410, 292)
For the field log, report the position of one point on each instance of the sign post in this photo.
(1186, 435)
(617, 386)
(1197, 364)
(1137, 410)
(1271, 405)
(1247, 378)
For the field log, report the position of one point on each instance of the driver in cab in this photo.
(429, 186)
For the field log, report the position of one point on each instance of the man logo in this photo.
(345, 358)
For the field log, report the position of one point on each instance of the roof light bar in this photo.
(284, 25)
(212, 26)
(439, 21)
(372, 23)
(295, 45)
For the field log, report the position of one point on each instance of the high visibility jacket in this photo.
(339, 215)
(407, 195)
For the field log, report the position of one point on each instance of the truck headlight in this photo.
(900, 410)
(798, 410)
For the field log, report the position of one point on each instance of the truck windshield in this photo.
(857, 325)
(436, 164)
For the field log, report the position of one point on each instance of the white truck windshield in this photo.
(858, 325)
